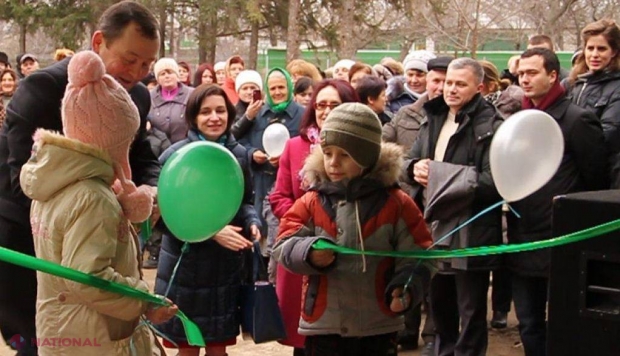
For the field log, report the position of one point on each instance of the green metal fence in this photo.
(324, 59)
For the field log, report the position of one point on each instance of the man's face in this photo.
(434, 83)
(28, 66)
(460, 87)
(534, 79)
(129, 57)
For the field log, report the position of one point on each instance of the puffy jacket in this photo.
(599, 93)
(351, 297)
(583, 167)
(469, 146)
(78, 223)
(405, 126)
(397, 94)
(168, 116)
(208, 282)
(230, 90)
(158, 140)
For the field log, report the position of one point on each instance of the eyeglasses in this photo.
(323, 106)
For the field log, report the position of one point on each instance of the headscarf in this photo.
(278, 108)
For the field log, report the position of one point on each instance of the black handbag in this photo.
(260, 314)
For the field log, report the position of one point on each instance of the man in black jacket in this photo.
(454, 144)
(127, 40)
(583, 167)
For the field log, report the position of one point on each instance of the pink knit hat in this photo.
(98, 111)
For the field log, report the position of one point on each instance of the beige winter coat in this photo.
(77, 222)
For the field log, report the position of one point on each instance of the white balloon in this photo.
(274, 139)
(526, 151)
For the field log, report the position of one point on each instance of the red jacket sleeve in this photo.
(283, 197)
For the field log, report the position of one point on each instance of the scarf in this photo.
(278, 108)
(556, 92)
(221, 141)
(314, 136)
(169, 94)
(492, 98)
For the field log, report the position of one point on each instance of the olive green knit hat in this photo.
(355, 128)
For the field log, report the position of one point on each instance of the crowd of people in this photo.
(386, 157)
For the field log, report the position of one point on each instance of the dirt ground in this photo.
(501, 342)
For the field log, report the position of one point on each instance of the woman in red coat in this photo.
(289, 187)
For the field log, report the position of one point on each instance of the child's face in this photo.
(339, 165)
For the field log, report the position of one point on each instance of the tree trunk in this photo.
(404, 49)
(172, 40)
(292, 33)
(253, 55)
(162, 31)
(202, 42)
(211, 38)
(346, 43)
(474, 35)
(22, 39)
(207, 30)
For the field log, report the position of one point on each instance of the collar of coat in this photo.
(483, 116)
(43, 137)
(158, 99)
(384, 174)
(598, 76)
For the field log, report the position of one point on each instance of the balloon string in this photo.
(469, 221)
(443, 238)
(513, 211)
(184, 250)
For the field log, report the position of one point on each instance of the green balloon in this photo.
(200, 190)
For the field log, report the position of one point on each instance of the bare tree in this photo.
(292, 32)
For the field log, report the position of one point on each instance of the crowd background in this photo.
(419, 104)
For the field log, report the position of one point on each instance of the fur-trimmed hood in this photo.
(57, 162)
(387, 169)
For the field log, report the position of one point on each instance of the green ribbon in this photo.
(479, 251)
(194, 336)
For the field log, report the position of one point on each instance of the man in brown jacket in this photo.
(405, 126)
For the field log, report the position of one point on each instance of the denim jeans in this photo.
(530, 298)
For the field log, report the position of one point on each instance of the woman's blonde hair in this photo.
(62, 53)
(491, 76)
(299, 67)
(611, 32)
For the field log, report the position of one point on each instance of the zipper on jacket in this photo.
(581, 92)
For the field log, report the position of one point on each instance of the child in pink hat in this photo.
(83, 205)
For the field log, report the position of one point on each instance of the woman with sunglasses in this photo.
(289, 186)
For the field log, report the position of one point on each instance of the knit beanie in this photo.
(165, 63)
(98, 111)
(219, 66)
(344, 63)
(248, 76)
(355, 128)
(418, 60)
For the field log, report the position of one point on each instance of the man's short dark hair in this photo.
(118, 16)
(550, 59)
(370, 87)
(538, 40)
